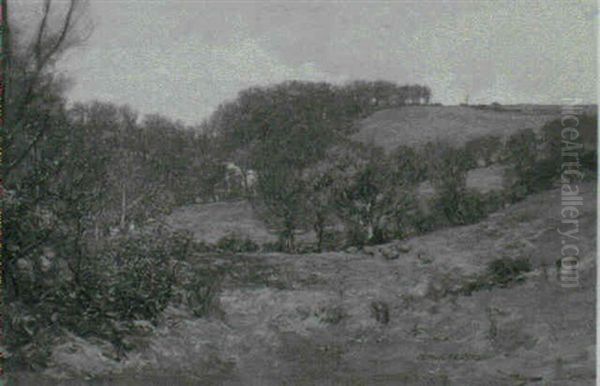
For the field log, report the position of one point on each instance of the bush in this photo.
(197, 289)
(483, 149)
(462, 207)
(356, 236)
(332, 240)
(235, 244)
(180, 244)
(504, 271)
(499, 273)
(271, 247)
(102, 296)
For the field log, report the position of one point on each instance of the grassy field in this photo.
(417, 125)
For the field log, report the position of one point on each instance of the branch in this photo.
(67, 26)
(37, 48)
(41, 60)
(25, 152)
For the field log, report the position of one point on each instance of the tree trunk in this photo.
(319, 230)
(123, 219)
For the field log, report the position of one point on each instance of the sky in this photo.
(183, 58)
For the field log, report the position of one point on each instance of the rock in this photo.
(403, 248)
(352, 250)
(389, 254)
(45, 264)
(24, 265)
(370, 250)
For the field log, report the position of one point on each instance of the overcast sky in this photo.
(182, 58)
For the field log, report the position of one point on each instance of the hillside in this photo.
(309, 319)
(417, 125)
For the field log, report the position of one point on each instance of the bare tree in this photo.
(30, 75)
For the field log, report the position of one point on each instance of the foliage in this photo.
(447, 168)
(500, 273)
(484, 150)
(581, 141)
(131, 279)
(506, 270)
(197, 288)
(235, 244)
(521, 154)
(538, 161)
(424, 222)
(283, 202)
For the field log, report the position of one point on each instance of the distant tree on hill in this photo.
(267, 112)
(521, 154)
(447, 171)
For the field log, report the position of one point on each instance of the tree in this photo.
(447, 171)
(319, 184)
(42, 161)
(363, 191)
(521, 154)
(31, 83)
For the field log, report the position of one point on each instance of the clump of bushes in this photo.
(197, 288)
(233, 243)
(461, 207)
(500, 273)
(536, 160)
(448, 169)
(483, 151)
(99, 294)
(506, 270)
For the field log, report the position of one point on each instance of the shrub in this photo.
(180, 244)
(202, 247)
(332, 240)
(483, 149)
(447, 172)
(504, 271)
(102, 296)
(520, 152)
(235, 244)
(198, 288)
(272, 247)
(462, 206)
(423, 221)
(493, 201)
(499, 273)
(356, 236)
